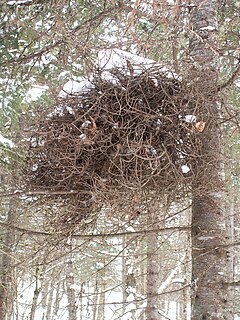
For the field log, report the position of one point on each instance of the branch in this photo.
(38, 54)
(233, 283)
(231, 80)
(97, 235)
(40, 192)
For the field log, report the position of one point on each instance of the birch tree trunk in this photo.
(210, 299)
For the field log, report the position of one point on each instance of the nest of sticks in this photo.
(116, 139)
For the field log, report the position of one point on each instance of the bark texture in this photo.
(6, 276)
(152, 269)
(102, 299)
(210, 299)
(35, 299)
(72, 309)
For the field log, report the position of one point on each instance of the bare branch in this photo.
(232, 79)
(99, 235)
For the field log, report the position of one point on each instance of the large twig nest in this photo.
(138, 131)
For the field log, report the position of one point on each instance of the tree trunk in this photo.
(209, 262)
(35, 295)
(95, 299)
(139, 260)
(6, 270)
(45, 287)
(102, 297)
(57, 300)
(124, 276)
(210, 300)
(152, 269)
(72, 309)
(50, 301)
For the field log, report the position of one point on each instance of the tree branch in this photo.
(98, 235)
(231, 80)
(233, 283)
(18, 193)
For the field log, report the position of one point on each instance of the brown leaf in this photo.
(136, 197)
(94, 126)
(200, 126)
(130, 68)
(118, 146)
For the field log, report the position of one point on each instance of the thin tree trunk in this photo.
(210, 300)
(101, 306)
(124, 277)
(232, 209)
(45, 287)
(72, 309)
(34, 303)
(35, 296)
(95, 300)
(152, 270)
(57, 300)
(50, 301)
(138, 270)
(187, 277)
(6, 270)
(81, 306)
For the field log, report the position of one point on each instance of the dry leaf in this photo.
(118, 146)
(136, 198)
(130, 68)
(200, 126)
(94, 126)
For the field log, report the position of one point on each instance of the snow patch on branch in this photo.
(208, 28)
(6, 142)
(110, 60)
(76, 87)
(74, 286)
(129, 63)
(185, 168)
(35, 92)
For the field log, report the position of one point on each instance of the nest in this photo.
(113, 140)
